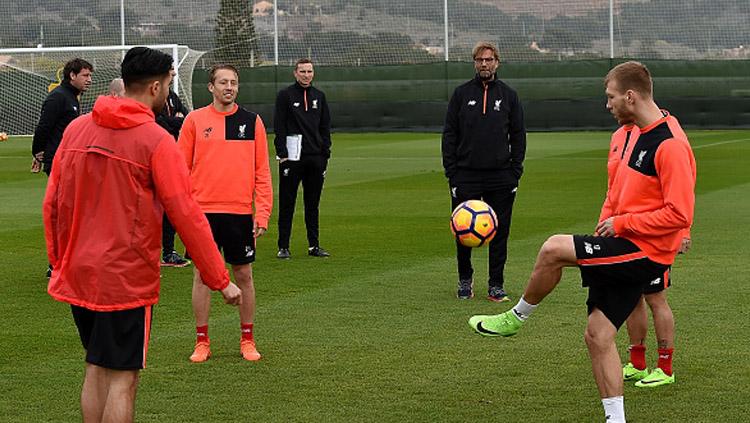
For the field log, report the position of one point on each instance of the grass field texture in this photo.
(375, 332)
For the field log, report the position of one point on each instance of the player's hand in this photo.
(685, 245)
(232, 294)
(606, 228)
(258, 231)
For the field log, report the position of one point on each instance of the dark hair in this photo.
(216, 68)
(142, 65)
(76, 66)
(631, 76)
(302, 62)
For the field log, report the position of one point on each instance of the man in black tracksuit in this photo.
(484, 144)
(59, 109)
(301, 111)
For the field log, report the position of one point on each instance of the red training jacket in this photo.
(115, 173)
(651, 187)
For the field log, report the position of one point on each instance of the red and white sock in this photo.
(201, 333)
(665, 360)
(247, 332)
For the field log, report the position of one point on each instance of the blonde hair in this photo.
(631, 75)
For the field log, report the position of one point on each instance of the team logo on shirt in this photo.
(207, 132)
(241, 133)
(641, 155)
(497, 104)
(295, 104)
(472, 103)
(315, 104)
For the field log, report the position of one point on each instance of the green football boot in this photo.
(655, 378)
(504, 324)
(631, 374)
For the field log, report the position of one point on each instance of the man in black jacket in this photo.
(59, 109)
(302, 124)
(171, 118)
(484, 145)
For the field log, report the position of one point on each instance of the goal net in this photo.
(27, 75)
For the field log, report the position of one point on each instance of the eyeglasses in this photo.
(484, 60)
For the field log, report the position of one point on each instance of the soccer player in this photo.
(484, 145)
(224, 146)
(116, 165)
(302, 123)
(649, 204)
(655, 295)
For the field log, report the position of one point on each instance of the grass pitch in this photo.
(375, 332)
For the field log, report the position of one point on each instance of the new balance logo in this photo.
(296, 104)
(472, 103)
(286, 172)
(207, 132)
(497, 105)
(249, 251)
(315, 104)
(453, 192)
(656, 281)
(664, 356)
(591, 247)
(641, 155)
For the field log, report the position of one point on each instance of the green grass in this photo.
(375, 333)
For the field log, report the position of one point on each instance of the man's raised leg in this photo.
(557, 252)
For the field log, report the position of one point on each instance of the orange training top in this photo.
(227, 154)
(651, 187)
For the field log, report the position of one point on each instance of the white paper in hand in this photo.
(294, 147)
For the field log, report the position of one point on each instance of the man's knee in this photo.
(600, 332)
(558, 249)
(657, 302)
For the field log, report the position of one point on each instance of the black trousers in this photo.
(167, 236)
(310, 170)
(500, 198)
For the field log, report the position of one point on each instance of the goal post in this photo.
(28, 74)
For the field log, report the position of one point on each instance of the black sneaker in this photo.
(465, 289)
(284, 253)
(174, 260)
(497, 294)
(317, 252)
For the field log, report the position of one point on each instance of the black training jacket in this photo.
(58, 110)
(484, 131)
(302, 111)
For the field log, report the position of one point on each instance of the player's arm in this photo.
(52, 109)
(263, 184)
(451, 132)
(517, 137)
(675, 166)
(186, 141)
(280, 116)
(325, 126)
(173, 190)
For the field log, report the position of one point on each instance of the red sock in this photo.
(201, 333)
(665, 360)
(247, 332)
(638, 356)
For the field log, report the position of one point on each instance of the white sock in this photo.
(614, 409)
(523, 310)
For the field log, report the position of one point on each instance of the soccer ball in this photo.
(3, 136)
(474, 223)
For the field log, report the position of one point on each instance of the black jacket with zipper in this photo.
(484, 133)
(302, 111)
(58, 110)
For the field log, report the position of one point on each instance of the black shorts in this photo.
(233, 234)
(115, 340)
(617, 273)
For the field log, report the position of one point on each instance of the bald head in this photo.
(117, 88)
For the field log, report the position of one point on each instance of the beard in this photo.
(486, 75)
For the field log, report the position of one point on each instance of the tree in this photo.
(236, 40)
